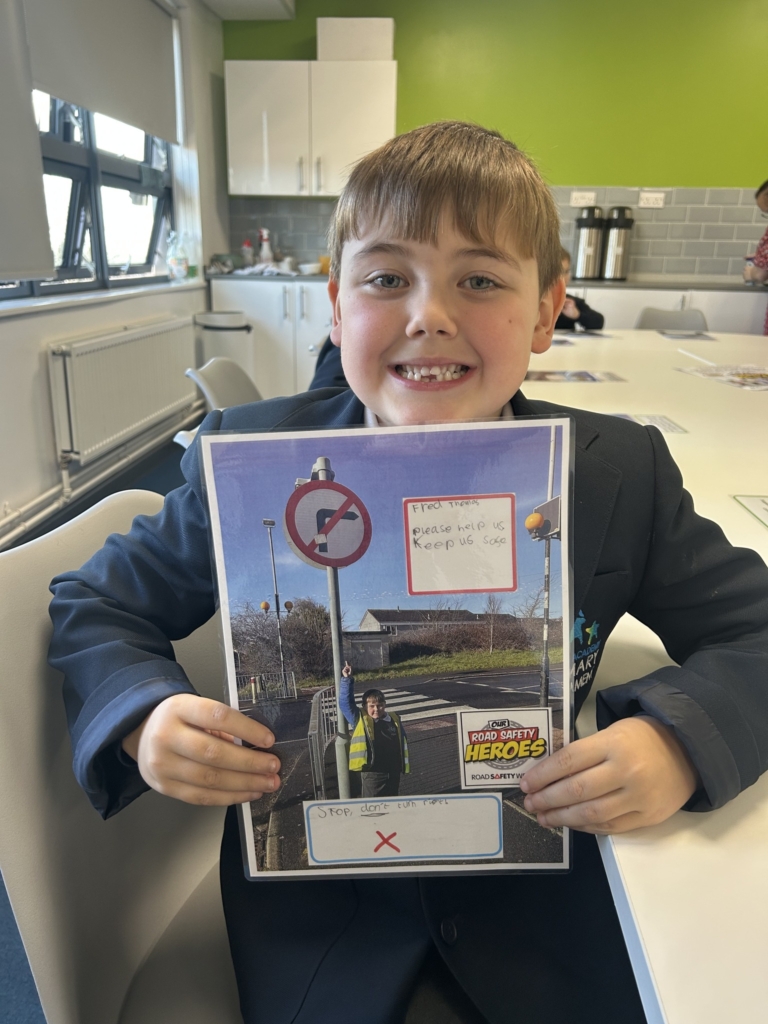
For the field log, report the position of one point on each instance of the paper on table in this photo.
(747, 377)
(572, 376)
(756, 504)
(664, 423)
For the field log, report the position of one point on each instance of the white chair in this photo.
(121, 919)
(650, 319)
(224, 383)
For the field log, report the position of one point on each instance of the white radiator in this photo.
(107, 390)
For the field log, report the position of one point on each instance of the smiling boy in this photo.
(445, 277)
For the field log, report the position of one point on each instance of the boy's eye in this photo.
(387, 281)
(478, 283)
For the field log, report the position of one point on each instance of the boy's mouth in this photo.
(425, 372)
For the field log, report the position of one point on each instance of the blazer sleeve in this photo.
(113, 623)
(708, 602)
(347, 700)
(589, 318)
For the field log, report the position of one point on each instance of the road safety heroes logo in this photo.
(498, 746)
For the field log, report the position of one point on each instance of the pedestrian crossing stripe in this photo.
(414, 716)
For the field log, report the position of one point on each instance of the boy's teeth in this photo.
(437, 373)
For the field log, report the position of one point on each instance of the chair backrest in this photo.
(224, 383)
(650, 319)
(90, 897)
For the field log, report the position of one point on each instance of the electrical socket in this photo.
(583, 198)
(654, 200)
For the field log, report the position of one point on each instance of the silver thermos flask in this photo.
(618, 225)
(589, 243)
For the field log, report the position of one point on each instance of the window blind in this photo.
(114, 57)
(25, 250)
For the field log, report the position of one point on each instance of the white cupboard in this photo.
(294, 128)
(290, 321)
(732, 312)
(353, 113)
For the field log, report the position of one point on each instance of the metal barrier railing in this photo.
(322, 732)
(266, 686)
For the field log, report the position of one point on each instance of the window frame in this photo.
(89, 169)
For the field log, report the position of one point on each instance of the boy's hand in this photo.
(347, 670)
(633, 773)
(185, 749)
(570, 309)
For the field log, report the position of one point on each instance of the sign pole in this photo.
(322, 470)
(544, 679)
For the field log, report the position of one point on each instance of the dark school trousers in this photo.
(328, 951)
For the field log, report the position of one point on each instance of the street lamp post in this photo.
(269, 523)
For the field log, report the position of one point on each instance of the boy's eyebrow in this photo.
(381, 248)
(491, 252)
(396, 249)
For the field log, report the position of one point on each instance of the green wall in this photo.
(599, 92)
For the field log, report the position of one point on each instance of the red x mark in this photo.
(385, 841)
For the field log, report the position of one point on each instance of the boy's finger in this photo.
(217, 717)
(204, 797)
(180, 771)
(204, 749)
(591, 816)
(575, 757)
(590, 784)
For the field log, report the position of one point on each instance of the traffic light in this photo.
(544, 522)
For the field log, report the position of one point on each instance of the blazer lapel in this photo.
(595, 488)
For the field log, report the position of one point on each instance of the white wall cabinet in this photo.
(731, 312)
(267, 127)
(295, 127)
(290, 320)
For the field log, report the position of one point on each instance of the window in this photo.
(108, 198)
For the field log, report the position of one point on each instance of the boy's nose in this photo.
(430, 317)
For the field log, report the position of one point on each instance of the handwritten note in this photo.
(447, 827)
(460, 543)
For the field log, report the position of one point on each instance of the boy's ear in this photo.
(551, 303)
(333, 295)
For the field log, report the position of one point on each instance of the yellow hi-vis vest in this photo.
(361, 743)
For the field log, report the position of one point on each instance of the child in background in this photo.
(378, 746)
(575, 310)
(446, 256)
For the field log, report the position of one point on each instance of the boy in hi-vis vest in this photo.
(378, 746)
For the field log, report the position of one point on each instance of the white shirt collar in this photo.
(371, 419)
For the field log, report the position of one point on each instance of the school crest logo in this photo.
(586, 651)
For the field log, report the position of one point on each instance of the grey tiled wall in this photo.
(699, 231)
(297, 226)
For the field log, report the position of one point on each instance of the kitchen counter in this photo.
(706, 283)
(648, 281)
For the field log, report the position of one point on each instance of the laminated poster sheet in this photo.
(393, 604)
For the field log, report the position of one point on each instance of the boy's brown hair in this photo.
(485, 181)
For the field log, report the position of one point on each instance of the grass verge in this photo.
(441, 664)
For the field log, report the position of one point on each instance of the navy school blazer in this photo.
(639, 547)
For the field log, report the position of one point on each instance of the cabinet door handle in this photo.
(312, 349)
(285, 302)
(300, 165)
(318, 176)
(302, 301)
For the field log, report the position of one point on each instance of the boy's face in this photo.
(438, 333)
(376, 708)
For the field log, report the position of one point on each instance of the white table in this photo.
(692, 893)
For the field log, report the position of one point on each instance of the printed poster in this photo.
(393, 602)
